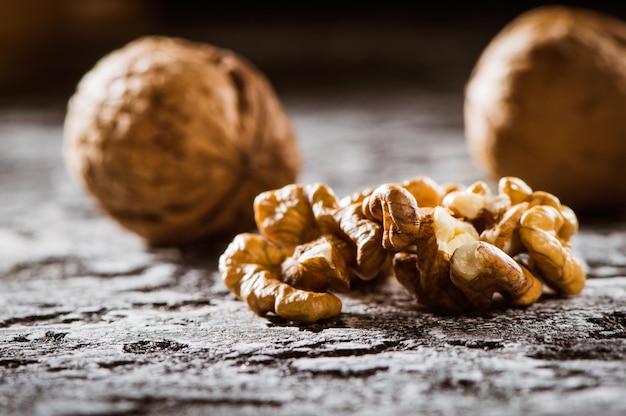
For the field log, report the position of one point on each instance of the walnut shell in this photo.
(545, 102)
(174, 139)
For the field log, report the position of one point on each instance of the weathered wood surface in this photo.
(93, 322)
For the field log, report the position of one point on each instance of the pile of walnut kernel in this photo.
(452, 247)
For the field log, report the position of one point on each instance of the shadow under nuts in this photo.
(545, 102)
(174, 139)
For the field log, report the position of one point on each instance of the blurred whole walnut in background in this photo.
(546, 102)
(174, 139)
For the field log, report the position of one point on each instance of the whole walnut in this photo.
(174, 139)
(545, 102)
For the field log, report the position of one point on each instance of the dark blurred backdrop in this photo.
(47, 45)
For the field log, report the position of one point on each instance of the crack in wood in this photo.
(151, 346)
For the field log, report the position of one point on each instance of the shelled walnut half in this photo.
(252, 269)
(310, 243)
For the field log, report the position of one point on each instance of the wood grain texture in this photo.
(94, 322)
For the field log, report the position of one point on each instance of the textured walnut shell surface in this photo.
(545, 102)
(174, 139)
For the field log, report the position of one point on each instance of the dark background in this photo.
(47, 45)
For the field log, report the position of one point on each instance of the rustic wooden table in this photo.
(94, 322)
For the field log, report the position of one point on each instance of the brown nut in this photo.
(296, 214)
(174, 139)
(251, 269)
(319, 265)
(369, 259)
(544, 103)
(569, 227)
(505, 234)
(517, 190)
(425, 272)
(319, 243)
(557, 266)
(481, 269)
(427, 192)
(424, 239)
(396, 210)
(434, 290)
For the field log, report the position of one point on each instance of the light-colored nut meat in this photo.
(480, 269)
